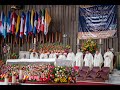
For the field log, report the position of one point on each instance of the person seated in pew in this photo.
(98, 59)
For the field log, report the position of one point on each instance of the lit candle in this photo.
(20, 74)
(34, 40)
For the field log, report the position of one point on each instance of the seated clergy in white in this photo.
(98, 59)
(79, 58)
(34, 55)
(62, 56)
(52, 55)
(24, 57)
(43, 55)
(108, 59)
(88, 59)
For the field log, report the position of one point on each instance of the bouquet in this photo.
(90, 46)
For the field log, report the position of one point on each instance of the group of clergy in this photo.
(90, 60)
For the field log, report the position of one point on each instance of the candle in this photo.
(100, 41)
(13, 79)
(21, 74)
(34, 40)
(6, 80)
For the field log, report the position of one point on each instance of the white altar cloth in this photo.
(30, 61)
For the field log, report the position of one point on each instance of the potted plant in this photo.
(14, 55)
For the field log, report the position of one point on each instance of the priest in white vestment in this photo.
(108, 59)
(52, 55)
(88, 59)
(62, 56)
(43, 55)
(71, 56)
(34, 55)
(98, 59)
(79, 58)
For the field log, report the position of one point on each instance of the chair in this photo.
(104, 73)
(83, 72)
(93, 73)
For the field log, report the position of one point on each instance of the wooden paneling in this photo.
(64, 18)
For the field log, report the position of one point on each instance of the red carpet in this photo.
(78, 83)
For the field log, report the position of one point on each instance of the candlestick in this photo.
(100, 41)
(20, 74)
(13, 79)
(6, 80)
(34, 40)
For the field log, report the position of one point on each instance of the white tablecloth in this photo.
(30, 61)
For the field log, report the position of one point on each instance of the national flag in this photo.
(14, 16)
(9, 22)
(42, 24)
(1, 22)
(18, 25)
(32, 19)
(47, 21)
(22, 25)
(5, 27)
(39, 22)
(35, 23)
(27, 24)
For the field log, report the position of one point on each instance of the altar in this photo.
(30, 61)
(56, 62)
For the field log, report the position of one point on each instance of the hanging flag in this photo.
(29, 23)
(5, 27)
(18, 25)
(39, 22)
(47, 21)
(32, 19)
(43, 16)
(1, 22)
(26, 24)
(14, 16)
(9, 22)
(35, 23)
(22, 25)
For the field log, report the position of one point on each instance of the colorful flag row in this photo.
(25, 24)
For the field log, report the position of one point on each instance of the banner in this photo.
(99, 21)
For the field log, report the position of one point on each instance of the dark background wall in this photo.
(65, 19)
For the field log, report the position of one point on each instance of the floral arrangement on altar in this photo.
(41, 73)
(89, 45)
(52, 46)
(14, 55)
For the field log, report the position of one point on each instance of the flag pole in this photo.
(52, 37)
(56, 35)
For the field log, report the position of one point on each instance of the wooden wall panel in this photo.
(64, 18)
